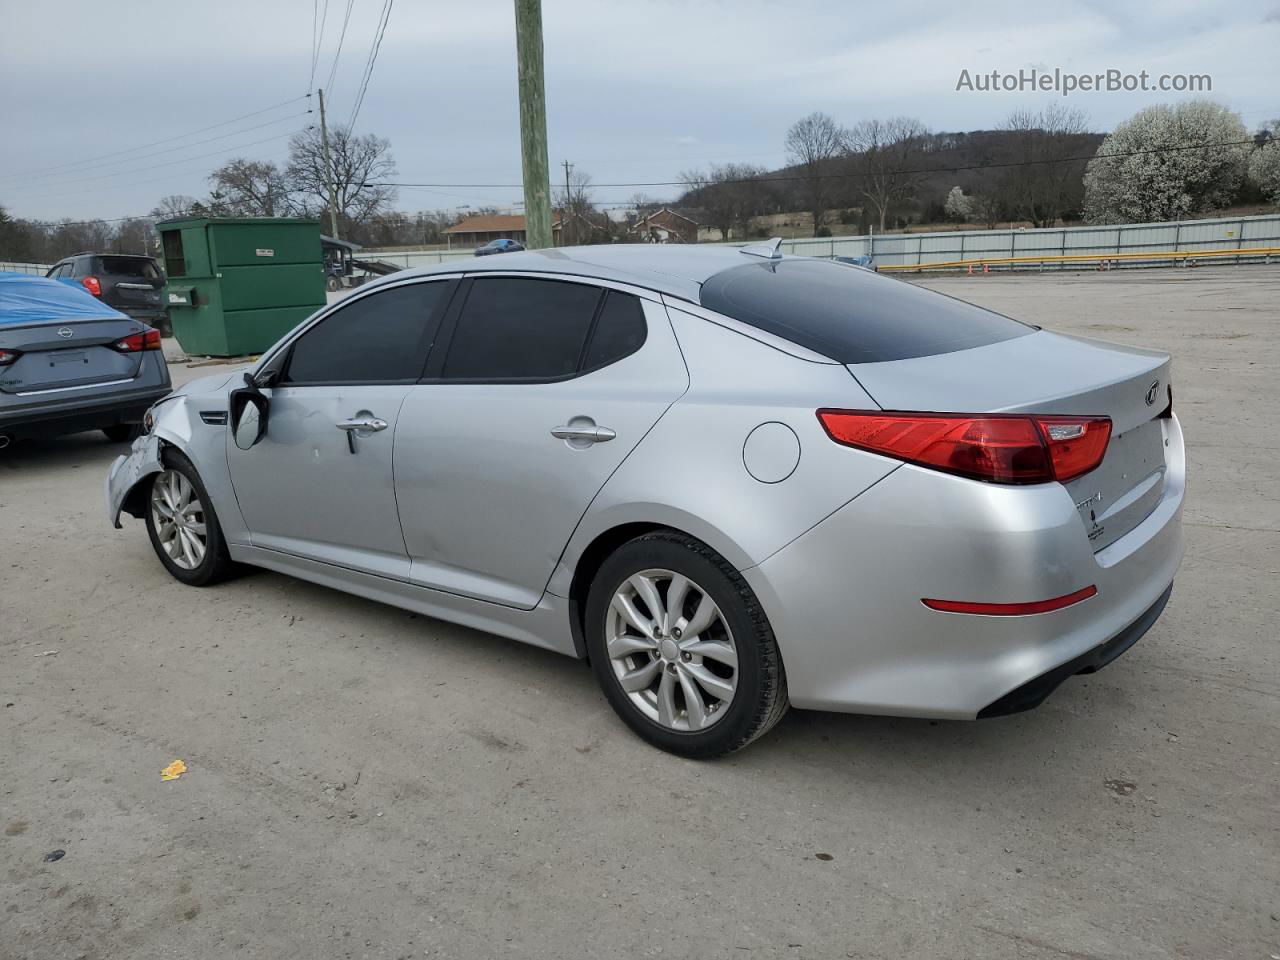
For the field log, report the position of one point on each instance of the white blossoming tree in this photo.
(1167, 162)
(959, 206)
(1264, 164)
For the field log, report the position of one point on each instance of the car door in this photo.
(544, 388)
(318, 485)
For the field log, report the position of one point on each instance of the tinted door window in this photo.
(619, 332)
(379, 338)
(513, 328)
(851, 315)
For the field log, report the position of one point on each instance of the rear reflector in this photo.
(146, 340)
(996, 448)
(92, 285)
(1010, 609)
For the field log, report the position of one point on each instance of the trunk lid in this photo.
(1052, 373)
(130, 282)
(57, 356)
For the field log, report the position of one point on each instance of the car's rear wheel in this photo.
(681, 647)
(183, 526)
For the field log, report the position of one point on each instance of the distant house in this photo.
(476, 231)
(665, 226)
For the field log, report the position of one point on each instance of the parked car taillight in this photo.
(8, 356)
(146, 340)
(92, 284)
(997, 448)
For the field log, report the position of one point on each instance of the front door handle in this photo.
(583, 434)
(371, 424)
(362, 423)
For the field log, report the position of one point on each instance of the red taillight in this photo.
(147, 340)
(997, 448)
(1010, 609)
(8, 356)
(92, 285)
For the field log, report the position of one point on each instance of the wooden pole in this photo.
(328, 172)
(533, 124)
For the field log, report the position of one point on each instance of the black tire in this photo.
(760, 697)
(217, 564)
(123, 432)
(333, 284)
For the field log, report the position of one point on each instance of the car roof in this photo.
(674, 269)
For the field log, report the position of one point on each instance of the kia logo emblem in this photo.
(66, 333)
(1153, 391)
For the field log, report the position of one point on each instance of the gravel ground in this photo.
(366, 783)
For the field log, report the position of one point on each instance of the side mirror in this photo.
(249, 407)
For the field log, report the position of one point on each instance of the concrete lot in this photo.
(366, 783)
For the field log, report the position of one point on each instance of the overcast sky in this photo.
(636, 91)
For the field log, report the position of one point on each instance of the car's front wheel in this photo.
(681, 647)
(183, 526)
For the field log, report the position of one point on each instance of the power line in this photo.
(184, 146)
(434, 187)
(842, 176)
(158, 166)
(154, 143)
(346, 17)
(317, 39)
(373, 58)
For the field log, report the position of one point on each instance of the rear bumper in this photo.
(844, 598)
(70, 411)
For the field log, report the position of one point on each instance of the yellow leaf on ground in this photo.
(173, 771)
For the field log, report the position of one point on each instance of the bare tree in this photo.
(812, 143)
(251, 188)
(576, 211)
(174, 205)
(884, 157)
(731, 194)
(357, 163)
(1044, 183)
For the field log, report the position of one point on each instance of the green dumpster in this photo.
(235, 285)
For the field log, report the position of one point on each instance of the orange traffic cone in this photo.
(985, 268)
(971, 269)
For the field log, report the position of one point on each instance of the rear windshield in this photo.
(129, 267)
(851, 315)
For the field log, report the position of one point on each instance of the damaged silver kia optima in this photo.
(733, 480)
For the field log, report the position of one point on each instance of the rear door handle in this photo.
(583, 434)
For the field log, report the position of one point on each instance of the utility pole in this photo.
(564, 216)
(533, 124)
(328, 172)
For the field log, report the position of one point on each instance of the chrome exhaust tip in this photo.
(5, 440)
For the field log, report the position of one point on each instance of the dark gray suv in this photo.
(129, 283)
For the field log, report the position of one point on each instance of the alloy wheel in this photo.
(179, 519)
(671, 650)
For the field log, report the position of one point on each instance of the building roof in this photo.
(678, 270)
(492, 223)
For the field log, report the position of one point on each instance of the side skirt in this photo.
(546, 625)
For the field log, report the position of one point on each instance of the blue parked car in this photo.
(69, 362)
(504, 245)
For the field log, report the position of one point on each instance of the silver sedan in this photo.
(733, 481)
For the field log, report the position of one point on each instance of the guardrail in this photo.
(1104, 260)
(35, 269)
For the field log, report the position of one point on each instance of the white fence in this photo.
(35, 269)
(912, 249)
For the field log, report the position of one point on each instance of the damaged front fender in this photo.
(125, 475)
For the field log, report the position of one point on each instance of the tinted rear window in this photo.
(129, 267)
(850, 314)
